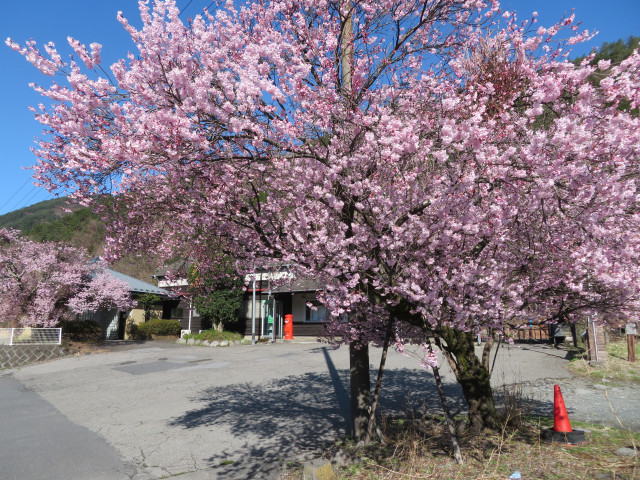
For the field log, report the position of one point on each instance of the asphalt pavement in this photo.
(39, 442)
(159, 410)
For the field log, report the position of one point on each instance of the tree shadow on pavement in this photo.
(294, 417)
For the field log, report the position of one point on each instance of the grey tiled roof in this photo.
(179, 267)
(293, 285)
(138, 286)
(303, 284)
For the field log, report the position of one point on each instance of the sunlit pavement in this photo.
(158, 410)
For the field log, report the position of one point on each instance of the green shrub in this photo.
(215, 335)
(133, 330)
(159, 327)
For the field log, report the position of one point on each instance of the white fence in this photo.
(30, 336)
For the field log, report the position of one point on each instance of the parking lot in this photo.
(158, 409)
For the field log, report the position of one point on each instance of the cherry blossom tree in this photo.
(438, 163)
(42, 284)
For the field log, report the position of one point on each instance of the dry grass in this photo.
(616, 368)
(84, 348)
(419, 449)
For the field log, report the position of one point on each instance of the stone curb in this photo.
(214, 343)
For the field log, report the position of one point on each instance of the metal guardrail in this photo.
(30, 336)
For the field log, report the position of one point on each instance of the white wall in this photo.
(299, 306)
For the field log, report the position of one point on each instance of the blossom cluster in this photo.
(44, 283)
(456, 170)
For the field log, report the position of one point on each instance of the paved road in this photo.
(159, 410)
(38, 440)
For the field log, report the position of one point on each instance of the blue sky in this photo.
(44, 21)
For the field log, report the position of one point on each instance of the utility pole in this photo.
(359, 379)
(253, 310)
(631, 331)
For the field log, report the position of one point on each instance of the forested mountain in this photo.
(58, 220)
(26, 218)
(615, 51)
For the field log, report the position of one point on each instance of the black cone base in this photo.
(571, 438)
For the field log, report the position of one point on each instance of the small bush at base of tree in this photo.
(215, 335)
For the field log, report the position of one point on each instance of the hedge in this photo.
(159, 327)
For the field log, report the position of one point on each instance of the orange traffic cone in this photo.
(560, 417)
(562, 431)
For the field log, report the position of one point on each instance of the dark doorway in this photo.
(122, 323)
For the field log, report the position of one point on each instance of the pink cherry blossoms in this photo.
(44, 283)
(469, 176)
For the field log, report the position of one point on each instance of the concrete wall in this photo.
(107, 319)
(136, 316)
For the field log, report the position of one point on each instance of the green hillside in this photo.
(59, 221)
(26, 218)
(615, 51)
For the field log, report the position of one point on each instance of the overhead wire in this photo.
(189, 3)
(14, 194)
(185, 7)
(27, 198)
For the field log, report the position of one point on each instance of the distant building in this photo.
(278, 293)
(114, 322)
(173, 279)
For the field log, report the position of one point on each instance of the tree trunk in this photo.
(360, 389)
(447, 413)
(376, 392)
(473, 376)
(358, 353)
(574, 334)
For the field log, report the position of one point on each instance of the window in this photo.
(317, 313)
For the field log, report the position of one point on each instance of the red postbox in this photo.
(288, 327)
